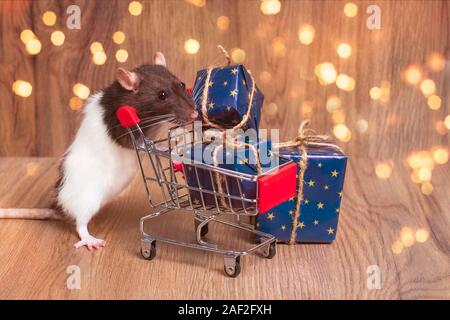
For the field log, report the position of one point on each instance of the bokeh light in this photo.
(118, 37)
(424, 174)
(428, 87)
(57, 38)
(49, 18)
(345, 82)
(333, 103)
(397, 247)
(197, 3)
(342, 132)
(344, 50)
(426, 188)
(440, 156)
(272, 109)
(122, 55)
(99, 58)
(33, 46)
(362, 125)
(413, 74)
(31, 168)
(326, 73)
(96, 47)
(338, 116)
(22, 88)
(75, 103)
(440, 127)
(307, 109)
(223, 23)
(383, 170)
(422, 235)
(279, 46)
(26, 35)
(238, 55)
(350, 9)
(191, 46)
(436, 62)
(407, 236)
(270, 7)
(434, 102)
(265, 76)
(375, 93)
(81, 91)
(447, 122)
(306, 34)
(135, 8)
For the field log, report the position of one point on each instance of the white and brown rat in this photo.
(101, 162)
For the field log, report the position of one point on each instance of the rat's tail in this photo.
(32, 213)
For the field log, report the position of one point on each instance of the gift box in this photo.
(238, 160)
(321, 198)
(228, 96)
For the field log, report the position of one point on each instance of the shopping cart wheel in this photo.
(232, 266)
(148, 249)
(204, 230)
(270, 250)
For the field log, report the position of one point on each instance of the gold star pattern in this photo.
(320, 205)
(337, 210)
(228, 108)
(316, 222)
(210, 84)
(320, 164)
(258, 224)
(244, 83)
(291, 212)
(225, 83)
(330, 231)
(210, 105)
(326, 187)
(270, 216)
(334, 173)
(234, 71)
(340, 194)
(270, 153)
(196, 201)
(301, 225)
(311, 183)
(234, 93)
(283, 227)
(306, 201)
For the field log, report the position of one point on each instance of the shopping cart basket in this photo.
(164, 169)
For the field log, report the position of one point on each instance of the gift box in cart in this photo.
(176, 191)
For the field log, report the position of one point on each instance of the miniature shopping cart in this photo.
(163, 169)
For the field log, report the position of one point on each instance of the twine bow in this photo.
(306, 137)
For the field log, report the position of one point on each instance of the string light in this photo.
(375, 93)
(407, 236)
(223, 23)
(333, 103)
(49, 18)
(342, 132)
(306, 34)
(135, 8)
(57, 38)
(81, 91)
(440, 156)
(424, 174)
(350, 9)
(22, 88)
(121, 55)
(383, 170)
(422, 235)
(426, 188)
(434, 102)
(326, 73)
(96, 47)
(26, 35)
(436, 62)
(99, 58)
(362, 126)
(344, 50)
(440, 127)
(192, 46)
(75, 103)
(345, 82)
(33, 46)
(428, 87)
(238, 55)
(270, 7)
(413, 74)
(118, 37)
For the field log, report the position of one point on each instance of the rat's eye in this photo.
(182, 85)
(162, 95)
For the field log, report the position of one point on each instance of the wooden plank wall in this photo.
(43, 124)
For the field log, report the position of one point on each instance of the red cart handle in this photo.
(127, 116)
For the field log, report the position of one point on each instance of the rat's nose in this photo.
(194, 115)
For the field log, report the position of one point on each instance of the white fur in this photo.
(96, 169)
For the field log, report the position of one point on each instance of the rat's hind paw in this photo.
(90, 243)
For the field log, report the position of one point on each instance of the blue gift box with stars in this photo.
(322, 193)
(229, 90)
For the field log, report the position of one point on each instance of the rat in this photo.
(101, 161)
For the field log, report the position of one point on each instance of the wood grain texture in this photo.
(36, 254)
(43, 124)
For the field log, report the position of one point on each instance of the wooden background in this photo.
(35, 130)
(43, 124)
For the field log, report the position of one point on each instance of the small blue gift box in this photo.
(229, 90)
(240, 160)
(322, 192)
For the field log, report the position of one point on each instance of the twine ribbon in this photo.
(305, 137)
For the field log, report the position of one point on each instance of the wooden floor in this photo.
(35, 255)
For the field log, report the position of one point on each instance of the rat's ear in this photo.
(128, 80)
(158, 58)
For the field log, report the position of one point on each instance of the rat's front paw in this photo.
(91, 243)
